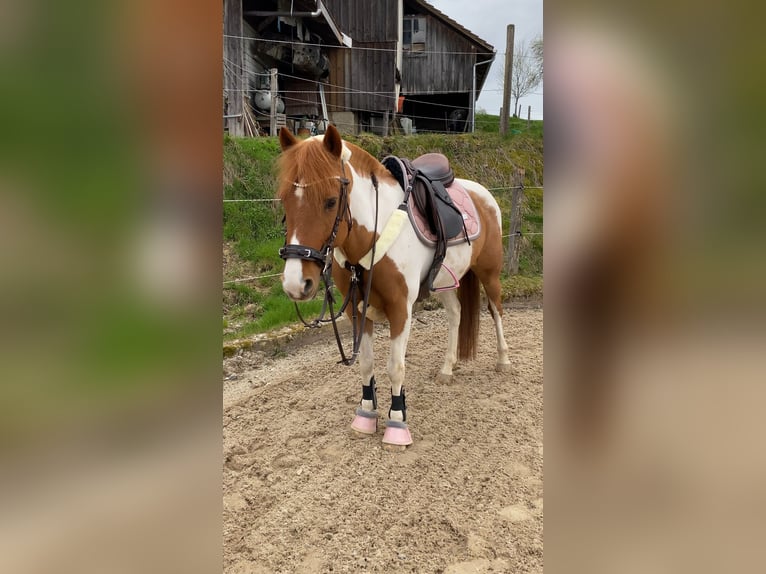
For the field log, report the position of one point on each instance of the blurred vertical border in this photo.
(110, 250)
(654, 287)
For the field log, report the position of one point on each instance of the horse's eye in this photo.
(331, 203)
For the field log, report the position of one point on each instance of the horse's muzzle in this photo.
(295, 285)
(308, 291)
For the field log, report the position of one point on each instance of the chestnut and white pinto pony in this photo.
(328, 188)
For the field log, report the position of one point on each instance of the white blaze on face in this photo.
(292, 278)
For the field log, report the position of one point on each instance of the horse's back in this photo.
(479, 193)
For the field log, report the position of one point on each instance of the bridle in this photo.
(324, 258)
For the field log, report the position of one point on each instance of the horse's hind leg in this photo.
(366, 416)
(452, 306)
(492, 289)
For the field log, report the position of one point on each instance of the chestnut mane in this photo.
(310, 162)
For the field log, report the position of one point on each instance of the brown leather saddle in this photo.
(426, 179)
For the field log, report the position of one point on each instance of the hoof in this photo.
(365, 422)
(397, 435)
(503, 367)
(443, 379)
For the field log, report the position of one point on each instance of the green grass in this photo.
(491, 124)
(279, 312)
(253, 227)
(522, 287)
(253, 231)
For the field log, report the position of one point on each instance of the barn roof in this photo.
(428, 8)
(323, 24)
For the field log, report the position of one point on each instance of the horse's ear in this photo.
(332, 141)
(286, 139)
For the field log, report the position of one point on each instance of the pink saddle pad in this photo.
(464, 203)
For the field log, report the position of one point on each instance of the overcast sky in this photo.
(488, 19)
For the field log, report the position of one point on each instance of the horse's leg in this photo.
(492, 289)
(366, 416)
(452, 305)
(397, 432)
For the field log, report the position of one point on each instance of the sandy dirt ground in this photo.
(302, 493)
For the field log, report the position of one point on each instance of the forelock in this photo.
(309, 163)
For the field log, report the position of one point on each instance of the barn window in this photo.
(414, 35)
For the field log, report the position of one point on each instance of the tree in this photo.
(527, 70)
(537, 53)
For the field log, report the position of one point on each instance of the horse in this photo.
(337, 200)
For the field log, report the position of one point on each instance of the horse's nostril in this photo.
(307, 286)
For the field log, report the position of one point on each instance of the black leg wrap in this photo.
(369, 394)
(398, 404)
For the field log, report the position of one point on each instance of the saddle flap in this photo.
(450, 215)
(462, 200)
(437, 206)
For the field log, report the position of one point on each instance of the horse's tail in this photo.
(469, 295)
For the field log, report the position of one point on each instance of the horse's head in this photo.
(315, 200)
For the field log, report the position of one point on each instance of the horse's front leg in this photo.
(397, 432)
(366, 416)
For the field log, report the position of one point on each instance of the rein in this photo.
(324, 258)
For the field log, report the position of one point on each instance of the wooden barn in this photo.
(365, 65)
(439, 60)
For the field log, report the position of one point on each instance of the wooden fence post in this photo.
(514, 240)
(507, 78)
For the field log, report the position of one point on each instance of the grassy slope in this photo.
(253, 230)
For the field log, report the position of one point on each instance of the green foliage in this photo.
(531, 257)
(522, 287)
(484, 157)
(277, 312)
(242, 294)
(281, 311)
(263, 254)
(249, 174)
(253, 231)
(487, 123)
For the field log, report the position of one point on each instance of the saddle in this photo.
(425, 179)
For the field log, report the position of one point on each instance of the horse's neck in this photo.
(366, 201)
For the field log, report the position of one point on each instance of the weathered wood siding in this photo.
(301, 97)
(369, 71)
(373, 73)
(336, 99)
(365, 20)
(362, 80)
(439, 68)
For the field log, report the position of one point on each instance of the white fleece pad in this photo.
(385, 241)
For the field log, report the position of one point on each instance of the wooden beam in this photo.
(233, 54)
(325, 116)
(273, 113)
